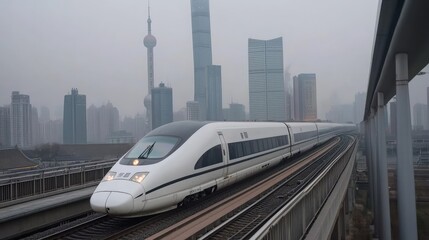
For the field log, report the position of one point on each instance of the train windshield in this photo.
(153, 147)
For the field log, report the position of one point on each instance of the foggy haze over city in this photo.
(50, 47)
(114, 111)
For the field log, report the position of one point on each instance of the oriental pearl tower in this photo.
(149, 42)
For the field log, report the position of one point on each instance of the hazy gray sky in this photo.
(48, 47)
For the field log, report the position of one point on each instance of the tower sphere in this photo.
(148, 101)
(149, 41)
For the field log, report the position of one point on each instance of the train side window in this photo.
(299, 137)
(279, 141)
(232, 151)
(247, 148)
(255, 148)
(286, 140)
(260, 145)
(239, 149)
(211, 157)
(274, 142)
(267, 144)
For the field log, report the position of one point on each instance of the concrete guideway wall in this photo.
(312, 213)
(30, 216)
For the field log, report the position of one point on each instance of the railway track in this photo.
(208, 212)
(244, 224)
(96, 228)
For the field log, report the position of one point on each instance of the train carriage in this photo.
(182, 161)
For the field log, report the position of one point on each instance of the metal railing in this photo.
(39, 183)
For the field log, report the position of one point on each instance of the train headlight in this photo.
(138, 177)
(109, 176)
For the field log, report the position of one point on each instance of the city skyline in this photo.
(94, 51)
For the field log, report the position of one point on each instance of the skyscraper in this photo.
(74, 121)
(420, 114)
(4, 127)
(236, 112)
(35, 127)
(135, 125)
(192, 110)
(21, 124)
(149, 42)
(92, 124)
(214, 93)
(266, 80)
(202, 49)
(305, 97)
(101, 122)
(288, 95)
(162, 105)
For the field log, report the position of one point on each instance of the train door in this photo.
(225, 153)
(317, 135)
(290, 139)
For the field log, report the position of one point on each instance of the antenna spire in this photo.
(149, 21)
(148, 8)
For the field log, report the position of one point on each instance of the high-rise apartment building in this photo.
(162, 105)
(20, 120)
(101, 122)
(5, 127)
(92, 124)
(420, 116)
(266, 80)
(74, 120)
(135, 126)
(305, 97)
(202, 51)
(214, 93)
(35, 127)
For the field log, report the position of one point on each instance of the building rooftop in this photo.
(14, 159)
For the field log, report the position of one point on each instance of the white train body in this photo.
(184, 160)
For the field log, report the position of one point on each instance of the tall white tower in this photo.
(149, 42)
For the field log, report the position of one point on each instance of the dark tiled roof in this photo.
(14, 159)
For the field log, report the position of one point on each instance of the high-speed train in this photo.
(182, 161)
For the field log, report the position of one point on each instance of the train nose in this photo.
(119, 203)
(112, 199)
(115, 203)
